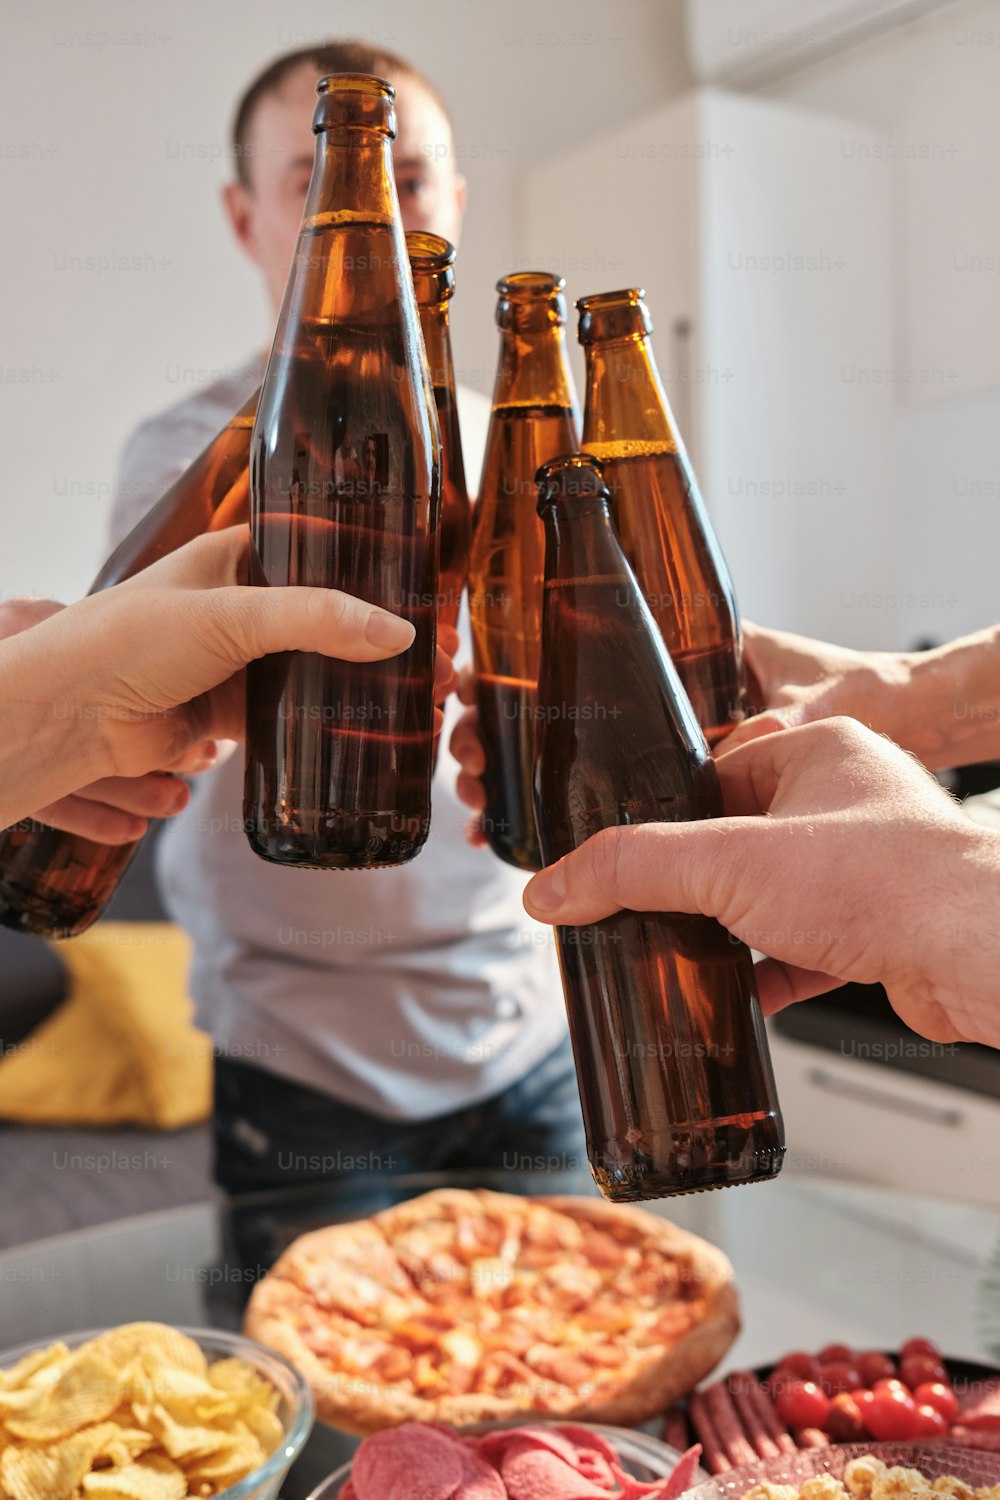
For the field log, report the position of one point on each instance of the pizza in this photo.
(466, 1307)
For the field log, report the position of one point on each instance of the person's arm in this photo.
(140, 676)
(841, 859)
(942, 705)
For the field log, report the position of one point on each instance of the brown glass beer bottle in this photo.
(658, 510)
(534, 417)
(345, 493)
(671, 1055)
(432, 262)
(56, 884)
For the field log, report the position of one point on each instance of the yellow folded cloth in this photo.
(121, 1049)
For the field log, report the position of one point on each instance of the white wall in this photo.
(933, 88)
(121, 290)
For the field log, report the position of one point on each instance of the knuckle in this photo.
(606, 852)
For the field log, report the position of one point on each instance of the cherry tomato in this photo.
(801, 1366)
(891, 1385)
(892, 1417)
(921, 1369)
(920, 1346)
(863, 1401)
(875, 1366)
(845, 1423)
(941, 1397)
(839, 1375)
(803, 1404)
(835, 1351)
(932, 1423)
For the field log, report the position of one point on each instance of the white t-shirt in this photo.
(408, 992)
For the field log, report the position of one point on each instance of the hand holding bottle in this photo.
(942, 705)
(137, 677)
(115, 809)
(840, 858)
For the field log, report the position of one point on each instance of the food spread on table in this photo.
(472, 1306)
(137, 1413)
(514, 1463)
(838, 1395)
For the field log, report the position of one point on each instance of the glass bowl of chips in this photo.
(150, 1412)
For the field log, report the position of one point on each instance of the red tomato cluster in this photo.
(851, 1395)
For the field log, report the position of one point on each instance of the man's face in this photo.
(266, 216)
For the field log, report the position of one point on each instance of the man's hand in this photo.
(467, 748)
(142, 676)
(840, 858)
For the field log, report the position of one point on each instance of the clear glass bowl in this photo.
(644, 1457)
(972, 1466)
(294, 1410)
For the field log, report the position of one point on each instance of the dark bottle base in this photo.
(634, 1177)
(308, 853)
(46, 919)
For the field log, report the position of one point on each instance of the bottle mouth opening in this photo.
(355, 83)
(531, 284)
(631, 296)
(570, 476)
(614, 315)
(429, 252)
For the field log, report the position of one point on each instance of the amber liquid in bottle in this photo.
(671, 1054)
(345, 494)
(658, 510)
(56, 884)
(534, 418)
(432, 262)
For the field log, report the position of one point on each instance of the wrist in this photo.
(953, 702)
(959, 947)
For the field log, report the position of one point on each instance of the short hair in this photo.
(325, 57)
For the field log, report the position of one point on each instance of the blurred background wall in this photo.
(122, 290)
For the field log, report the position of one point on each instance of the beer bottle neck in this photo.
(581, 542)
(435, 327)
(352, 181)
(626, 411)
(533, 370)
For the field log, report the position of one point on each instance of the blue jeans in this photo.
(273, 1133)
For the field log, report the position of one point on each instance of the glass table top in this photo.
(815, 1262)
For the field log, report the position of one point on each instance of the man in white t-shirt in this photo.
(405, 1020)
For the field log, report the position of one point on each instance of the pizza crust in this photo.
(360, 1406)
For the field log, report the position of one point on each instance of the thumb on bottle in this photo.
(686, 867)
(258, 621)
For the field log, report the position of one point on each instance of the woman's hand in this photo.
(141, 677)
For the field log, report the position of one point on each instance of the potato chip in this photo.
(189, 1397)
(87, 1391)
(30, 1365)
(137, 1339)
(226, 1468)
(265, 1425)
(136, 1482)
(236, 1376)
(50, 1473)
(177, 1439)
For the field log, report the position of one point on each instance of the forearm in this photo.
(48, 747)
(950, 705)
